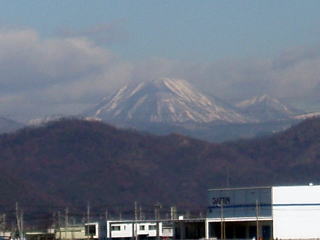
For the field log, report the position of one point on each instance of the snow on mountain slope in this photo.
(265, 108)
(307, 115)
(165, 100)
(44, 120)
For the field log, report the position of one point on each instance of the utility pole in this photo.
(173, 213)
(21, 224)
(59, 224)
(88, 212)
(135, 220)
(157, 207)
(106, 215)
(228, 177)
(135, 210)
(19, 218)
(257, 219)
(66, 221)
(73, 221)
(3, 222)
(54, 222)
(187, 214)
(140, 213)
(222, 227)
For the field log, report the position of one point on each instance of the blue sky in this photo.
(63, 56)
(202, 30)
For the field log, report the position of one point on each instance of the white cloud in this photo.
(65, 75)
(104, 33)
(39, 71)
(294, 73)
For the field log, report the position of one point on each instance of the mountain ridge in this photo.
(70, 162)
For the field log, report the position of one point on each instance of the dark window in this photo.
(90, 230)
(115, 228)
(266, 232)
(152, 227)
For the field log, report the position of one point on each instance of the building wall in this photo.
(239, 202)
(71, 232)
(124, 229)
(296, 212)
(95, 230)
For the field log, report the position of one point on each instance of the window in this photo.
(90, 230)
(142, 227)
(152, 227)
(115, 228)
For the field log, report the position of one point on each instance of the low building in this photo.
(71, 232)
(122, 229)
(193, 228)
(4, 235)
(38, 235)
(141, 229)
(96, 230)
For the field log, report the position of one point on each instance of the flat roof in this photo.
(239, 188)
(261, 187)
(240, 219)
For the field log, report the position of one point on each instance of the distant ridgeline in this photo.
(70, 162)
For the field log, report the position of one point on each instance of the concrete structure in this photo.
(141, 229)
(5, 235)
(71, 232)
(122, 229)
(285, 212)
(190, 228)
(280, 212)
(296, 212)
(40, 235)
(95, 230)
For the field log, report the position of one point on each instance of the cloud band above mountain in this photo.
(67, 74)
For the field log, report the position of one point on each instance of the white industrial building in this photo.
(141, 229)
(278, 212)
(282, 212)
(117, 229)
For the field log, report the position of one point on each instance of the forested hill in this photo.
(288, 157)
(70, 162)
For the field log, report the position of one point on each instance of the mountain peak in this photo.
(266, 108)
(258, 100)
(265, 97)
(166, 80)
(168, 100)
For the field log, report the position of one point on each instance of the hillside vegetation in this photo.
(70, 162)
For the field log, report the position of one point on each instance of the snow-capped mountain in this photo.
(165, 100)
(265, 108)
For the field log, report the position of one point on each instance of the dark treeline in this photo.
(70, 162)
